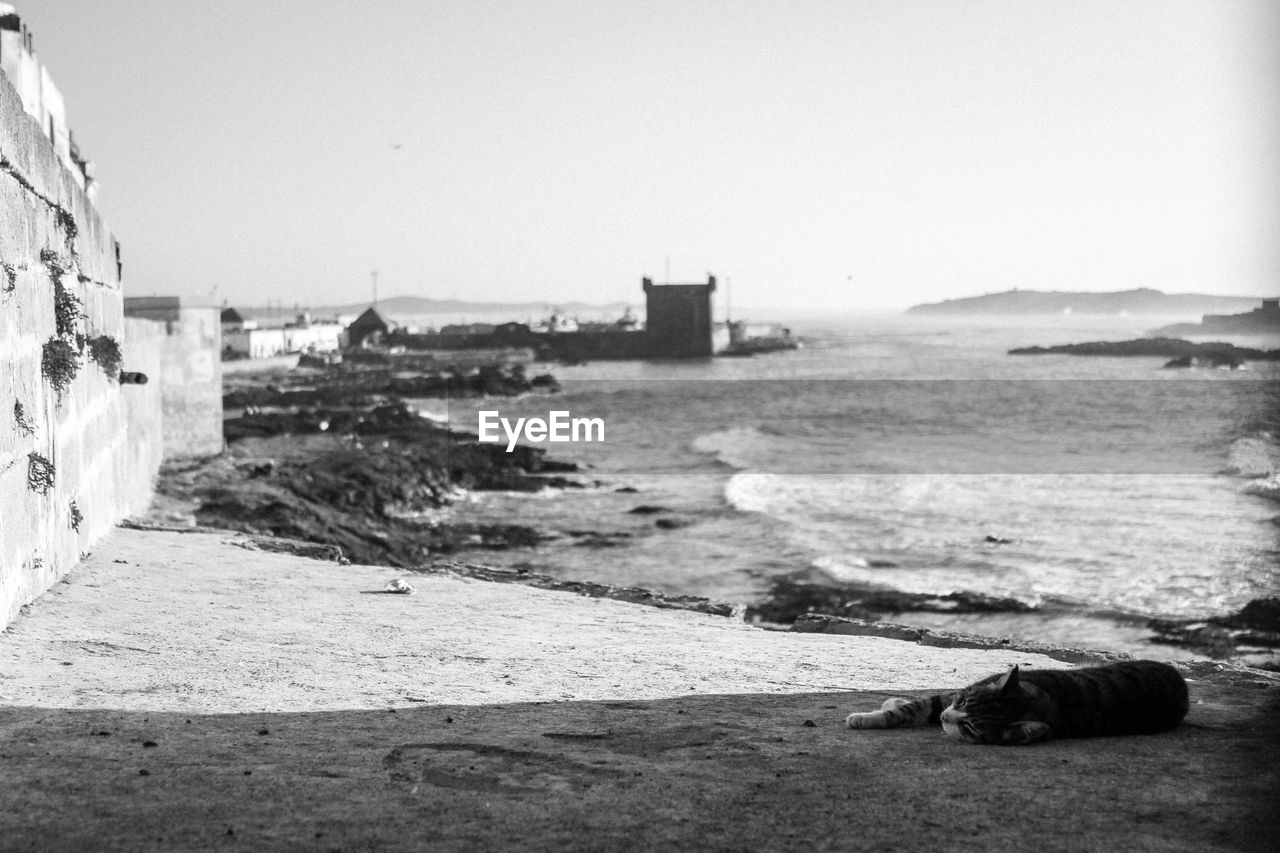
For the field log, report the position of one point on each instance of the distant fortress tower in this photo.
(678, 318)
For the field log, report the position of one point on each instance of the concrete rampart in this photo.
(191, 384)
(78, 450)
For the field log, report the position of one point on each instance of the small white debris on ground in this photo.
(401, 586)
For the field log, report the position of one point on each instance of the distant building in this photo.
(244, 339)
(678, 318)
(512, 330)
(312, 336)
(366, 330)
(234, 321)
(721, 337)
(556, 324)
(253, 343)
(742, 331)
(164, 309)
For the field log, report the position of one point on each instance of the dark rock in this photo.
(1256, 625)
(813, 623)
(672, 523)
(1261, 614)
(598, 538)
(356, 472)
(1210, 353)
(355, 383)
(789, 598)
(646, 509)
(1214, 360)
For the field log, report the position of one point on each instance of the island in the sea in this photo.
(1132, 302)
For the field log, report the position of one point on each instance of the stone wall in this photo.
(78, 450)
(191, 384)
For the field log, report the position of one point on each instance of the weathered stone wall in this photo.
(78, 451)
(191, 384)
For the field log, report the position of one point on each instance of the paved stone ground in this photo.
(180, 692)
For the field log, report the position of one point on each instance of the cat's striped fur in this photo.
(1127, 698)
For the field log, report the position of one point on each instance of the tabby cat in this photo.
(1127, 698)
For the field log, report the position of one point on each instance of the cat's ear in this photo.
(1009, 683)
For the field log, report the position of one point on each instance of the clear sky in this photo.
(852, 154)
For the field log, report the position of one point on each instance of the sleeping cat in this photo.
(1127, 698)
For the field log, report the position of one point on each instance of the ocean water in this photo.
(887, 450)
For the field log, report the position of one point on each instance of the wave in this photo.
(1268, 487)
(1254, 456)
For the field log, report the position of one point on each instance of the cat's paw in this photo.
(854, 720)
(867, 720)
(1025, 732)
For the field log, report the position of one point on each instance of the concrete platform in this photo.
(182, 692)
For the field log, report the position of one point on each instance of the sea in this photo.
(916, 454)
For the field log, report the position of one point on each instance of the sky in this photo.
(845, 156)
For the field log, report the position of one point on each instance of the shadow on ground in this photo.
(708, 772)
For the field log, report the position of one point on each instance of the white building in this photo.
(254, 343)
(312, 337)
(242, 338)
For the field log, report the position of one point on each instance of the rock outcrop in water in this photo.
(1211, 354)
(789, 598)
(1252, 634)
(1256, 626)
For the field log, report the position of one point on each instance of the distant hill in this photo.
(1141, 301)
(409, 306)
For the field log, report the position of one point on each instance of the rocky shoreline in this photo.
(1253, 632)
(334, 457)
